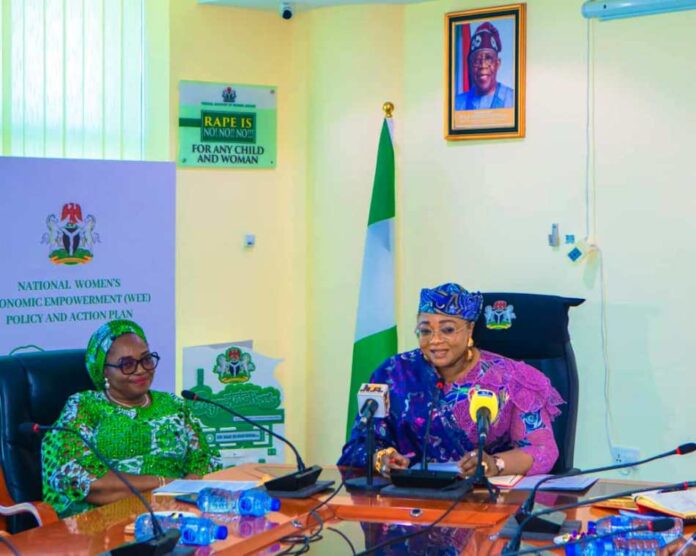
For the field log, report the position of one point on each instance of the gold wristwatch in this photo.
(499, 464)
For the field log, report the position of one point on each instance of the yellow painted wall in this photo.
(224, 291)
(355, 65)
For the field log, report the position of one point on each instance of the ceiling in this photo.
(299, 5)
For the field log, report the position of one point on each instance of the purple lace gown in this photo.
(528, 404)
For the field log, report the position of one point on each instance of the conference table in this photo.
(351, 521)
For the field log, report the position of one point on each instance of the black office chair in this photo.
(534, 328)
(33, 388)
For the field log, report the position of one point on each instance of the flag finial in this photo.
(388, 108)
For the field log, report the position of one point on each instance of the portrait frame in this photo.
(480, 103)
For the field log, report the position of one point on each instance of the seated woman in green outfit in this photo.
(149, 436)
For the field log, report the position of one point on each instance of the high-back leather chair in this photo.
(33, 388)
(534, 328)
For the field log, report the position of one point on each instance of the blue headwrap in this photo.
(451, 299)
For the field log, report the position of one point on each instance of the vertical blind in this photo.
(72, 78)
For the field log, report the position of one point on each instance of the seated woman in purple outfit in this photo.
(520, 440)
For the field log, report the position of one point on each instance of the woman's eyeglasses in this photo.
(446, 333)
(129, 365)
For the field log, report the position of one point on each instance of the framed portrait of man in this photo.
(485, 73)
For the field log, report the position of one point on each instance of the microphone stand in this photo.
(552, 523)
(162, 542)
(479, 478)
(369, 483)
(423, 482)
(299, 484)
(513, 544)
(426, 437)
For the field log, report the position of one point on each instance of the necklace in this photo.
(469, 363)
(144, 403)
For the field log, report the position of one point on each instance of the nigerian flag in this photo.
(375, 331)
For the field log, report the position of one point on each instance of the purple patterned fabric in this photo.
(528, 405)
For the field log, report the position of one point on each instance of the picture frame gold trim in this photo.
(488, 123)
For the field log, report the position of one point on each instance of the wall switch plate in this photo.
(554, 238)
(621, 454)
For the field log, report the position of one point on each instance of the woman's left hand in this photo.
(467, 465)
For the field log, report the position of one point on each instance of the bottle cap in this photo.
(221, 532)
(275, 504)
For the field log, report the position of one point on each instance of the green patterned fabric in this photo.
(100, 344)
(163, 439)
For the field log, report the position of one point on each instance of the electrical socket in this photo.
(621, 454)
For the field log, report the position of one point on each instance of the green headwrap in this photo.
(100, 344)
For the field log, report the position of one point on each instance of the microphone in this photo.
(483, 410)
(301, 479)
(439, 387)
(653, 525)
(553, 526)
(162, 542)
(424, 478)
(514, 543)
(373, 399)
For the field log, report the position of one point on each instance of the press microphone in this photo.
(162, 542)
(303, 478)
(373, 401)
(514, 543)
(553, 527)
(658, 525)
(483, 410)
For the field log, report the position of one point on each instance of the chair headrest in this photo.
(524, 325)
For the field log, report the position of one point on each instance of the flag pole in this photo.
(375, 330)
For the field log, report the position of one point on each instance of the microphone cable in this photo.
(4, 540)
(306, 540)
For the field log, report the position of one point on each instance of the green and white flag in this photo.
(375, 331)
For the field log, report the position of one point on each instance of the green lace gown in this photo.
(160, 439)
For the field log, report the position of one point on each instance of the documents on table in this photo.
(520, 481)
(503, 481)
(188, 486)
(680, 503)
(572, 484)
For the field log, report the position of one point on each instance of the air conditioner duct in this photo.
(615, 9)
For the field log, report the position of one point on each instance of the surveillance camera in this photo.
(286, 10)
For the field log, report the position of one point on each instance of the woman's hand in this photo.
(391, 460)
(467, 465)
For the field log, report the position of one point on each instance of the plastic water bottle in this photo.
(615, 546)
(252, 502)
(617, 523)
(200, 531)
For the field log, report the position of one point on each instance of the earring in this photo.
(106, 384)
(469, 349)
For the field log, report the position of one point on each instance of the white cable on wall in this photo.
(591, 228)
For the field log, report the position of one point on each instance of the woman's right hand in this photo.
(389, 461)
